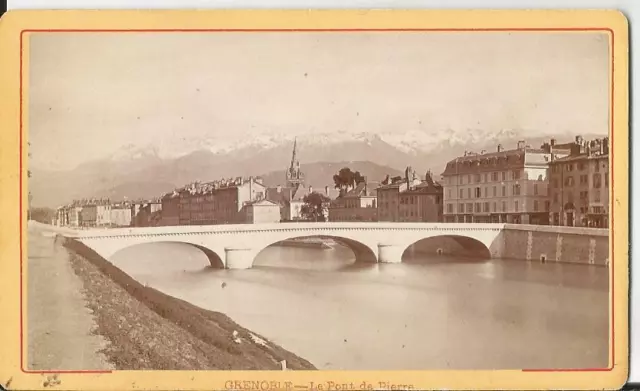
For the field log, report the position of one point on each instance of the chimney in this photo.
(521, 144)
(326, 191)
(279, 189)
(500, 149)
(553, 142)
(605, 145)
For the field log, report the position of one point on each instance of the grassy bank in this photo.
(150, 330)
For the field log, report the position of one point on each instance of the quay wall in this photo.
(556, 244)
(530, 243)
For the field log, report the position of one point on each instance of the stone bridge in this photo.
(236, 246)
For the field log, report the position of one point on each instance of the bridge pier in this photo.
(238, 258)
(390, 253)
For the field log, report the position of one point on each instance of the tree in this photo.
(42, 215)
(346, 179)
(315, 205)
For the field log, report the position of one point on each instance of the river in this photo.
(428, 312)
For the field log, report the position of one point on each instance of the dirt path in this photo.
(84, 313)
(59, 326)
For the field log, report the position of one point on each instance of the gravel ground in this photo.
(147, 329)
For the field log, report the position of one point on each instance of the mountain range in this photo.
(140, 172)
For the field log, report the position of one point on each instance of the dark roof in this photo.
(578, 157)
(361, 190)
(514, 158)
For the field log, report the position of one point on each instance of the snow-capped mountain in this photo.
(147, 171)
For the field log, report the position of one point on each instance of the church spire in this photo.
(294, 177)
(293, 155)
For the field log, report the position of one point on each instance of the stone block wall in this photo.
(556, 244)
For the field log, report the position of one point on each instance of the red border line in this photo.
(505, 29)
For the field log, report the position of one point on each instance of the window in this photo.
(569, 196)
(584, 195)
(494, 206)
(469, 207)
(547, 206)
(597, 167)
(469, 192)
(504, 191)
(597, 181)
(478, 207)
(584, 179)
(554, 168)
(477, 178)
(449, 193)
(569, 167)
(596, 195)
(494, 191)
(606, 179)
(460, 208)
(535, 205)
(486, 178)
(581, 166)
(516, 174)
(516, 189)
(468, 178)
(494, 176)
(535, 189)
(461, 180)
(554, 183)
(504, 206)
(485, 207)
(504, 175)
(478, 192)
(461, 193)
(568, 181)
(515, 204)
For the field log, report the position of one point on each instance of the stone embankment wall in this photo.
(529, 242)
(556, 244)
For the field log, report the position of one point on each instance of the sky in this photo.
(91, 94)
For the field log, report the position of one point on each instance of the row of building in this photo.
(558, 184)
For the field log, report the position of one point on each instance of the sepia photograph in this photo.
(318, 200)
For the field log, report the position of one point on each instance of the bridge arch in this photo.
(215, 260)
(362, 252)
(450, 244)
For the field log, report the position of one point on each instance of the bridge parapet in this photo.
(237, 245)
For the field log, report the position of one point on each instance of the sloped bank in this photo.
(148, 329)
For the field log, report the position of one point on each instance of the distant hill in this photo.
(143, 174)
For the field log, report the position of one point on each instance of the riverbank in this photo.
(113, 322)
(148, 329)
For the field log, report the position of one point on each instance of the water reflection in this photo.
(429, 312)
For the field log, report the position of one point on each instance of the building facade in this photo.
(120, 215)
(408, 198)
(217, 202)
(579, 185)
(506, 186)
(357, 204)
(261, 212)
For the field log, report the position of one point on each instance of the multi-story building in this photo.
(147, 213)
(357, 204)
(96, 213)
(217, 202)
(579, 185)
(422, 202)
(261, 212)
(409, 198)
(506, 186)
(120, 215)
